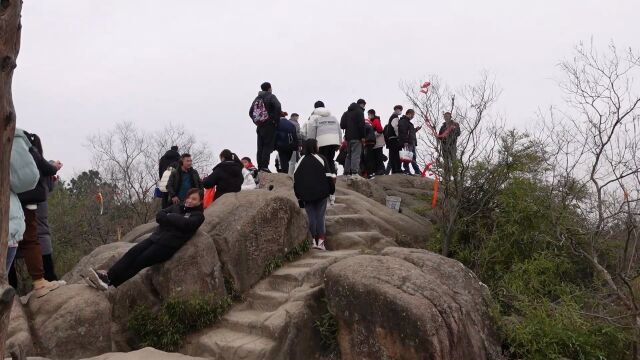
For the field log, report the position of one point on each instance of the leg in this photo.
(355, 148)
(379, 163)
(259, 153)
(285, 157)
(321, 208)
(13, 276)
(414, 163)
(268, 134)
(141, 256)
(30, 246)
(309, 207)
(49, 270)
(11, 254)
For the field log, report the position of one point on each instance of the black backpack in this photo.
(369, 134)
(389, 133)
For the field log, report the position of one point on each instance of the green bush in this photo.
(327, 325)
(166, 329)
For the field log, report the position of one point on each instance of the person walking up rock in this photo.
(265, 112)
(352, 122)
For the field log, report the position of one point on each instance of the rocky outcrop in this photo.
(101, 258)
(19, 337)
(144, 354)
(252, 228)
(410, 304)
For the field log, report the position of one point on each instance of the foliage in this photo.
(291, 255)
(167, 328)
(327, 326)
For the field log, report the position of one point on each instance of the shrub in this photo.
(327, 325)
(167, 328)
(291, 255)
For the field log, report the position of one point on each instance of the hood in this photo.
(354, 107)
(322, 112)
(19, 133)
(263, 93)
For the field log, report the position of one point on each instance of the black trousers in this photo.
(266, 145)
(369, 160)
(285, 156)
(378, 156)
(394, 158)
(329, 152)
(139, 257)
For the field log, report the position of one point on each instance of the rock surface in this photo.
(144, 354)
(19, 335)
(101, 258)
(410, 304)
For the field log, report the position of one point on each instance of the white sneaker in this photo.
(93, 279)
(332, 200)
(321, 245)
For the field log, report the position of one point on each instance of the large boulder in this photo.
(101, 258)
(19, 337)
(72, 322)
(410, 304)
(144, 354)
(250, 229)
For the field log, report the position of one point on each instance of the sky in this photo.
(85, 65)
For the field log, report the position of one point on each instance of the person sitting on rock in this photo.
(313, 183)
(226, 176)
(177, 224)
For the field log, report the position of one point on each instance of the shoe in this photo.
(332, 200)
(42, 287)
(97, 279)
(321, 245)
(314, 244)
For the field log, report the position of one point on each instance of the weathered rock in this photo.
(72, 322)
(144, 354)
(136, 235)
(250, 229)
(19, 334)
(410, 304)
(101, 258)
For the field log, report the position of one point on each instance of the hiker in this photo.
(265, 112)
(29, 247)
(352, 122)
(182, 179)
(177, 224)
(313, 183)
(44, 233)
(407, 137)
(393, 143)
(286, 143)
(23, 176)
(374, 143)
(448, 136)
(226, 176)
(248, 165)
(168, 162)
(325, 128)
(295, 156)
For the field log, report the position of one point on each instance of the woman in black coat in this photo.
(313, 183)
(226, 176)
(177, 224)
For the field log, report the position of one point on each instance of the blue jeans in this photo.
(11, 254)
(315, 212)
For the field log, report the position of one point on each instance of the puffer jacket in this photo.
(352, 122)
(377, 126)
(226, 177)
(24, 176)
(178, 224)
(323, 127)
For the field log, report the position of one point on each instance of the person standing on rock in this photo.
(286, 142)
(393, 144)
(325, 128)
(448, 136)
(352, 122)
(169, 160)
(295, 156)
(313, 183)
(265, 111)
(407, 136)
(182, 179)
(246, 162)
(177, 224)
(227, 176)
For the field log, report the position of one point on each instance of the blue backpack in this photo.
(286, 135)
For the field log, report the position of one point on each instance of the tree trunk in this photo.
(9, 46)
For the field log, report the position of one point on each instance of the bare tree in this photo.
(127, 157)
(595, 140)
(10, 30)
(478, 140)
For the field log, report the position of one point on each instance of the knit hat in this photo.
(318, 104)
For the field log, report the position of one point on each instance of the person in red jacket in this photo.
(374, 142)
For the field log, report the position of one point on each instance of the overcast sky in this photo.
(86, 64)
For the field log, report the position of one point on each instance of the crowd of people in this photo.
(308, 152)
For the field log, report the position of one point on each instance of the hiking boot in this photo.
(42, 287)
(321, 245)
(97, 279)
(332, 200)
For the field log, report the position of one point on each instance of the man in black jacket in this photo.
(352, 122)
(267, 130)
(226, 176)
(177, 224)
(169, 158)
(408, 139)
(182, 179)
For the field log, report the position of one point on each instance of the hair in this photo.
(246, 158)
(398, 107)
(227, 155)
(310, 147)
(295, 114)
(35, 141)
(448, 113)
(361, 102)
(318, 104)
(174, 148)
(410, 111)
(371, 111)
(195, 191)
(185, 155)
(265, 86)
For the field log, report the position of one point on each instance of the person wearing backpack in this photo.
(391, 139)
(378, 155)
(313, 183)
(408, 139)
(167, 162)
(369, 144)
(265, 112)
(325, 128)
(286, 143)
(352, 122)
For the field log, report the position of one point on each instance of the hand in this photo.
(175, 200)
(419, 128)
(58, 164)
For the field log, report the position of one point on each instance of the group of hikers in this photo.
(306, 152)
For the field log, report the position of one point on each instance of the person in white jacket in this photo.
(325, 128)
(249, 182)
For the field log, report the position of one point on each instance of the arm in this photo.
(377, 125)
(161, 216)
(403, 131)
(343, 121)
(45, 168)
(211, 180)
(198, 180)
(186, 224)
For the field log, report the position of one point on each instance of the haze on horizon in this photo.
(85, 65)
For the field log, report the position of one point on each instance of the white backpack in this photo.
(164, 180)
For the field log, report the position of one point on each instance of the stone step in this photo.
(339, 209)
(359, 240)
(266, 300)
(350, 223)
(227, 344)
(267, 324)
